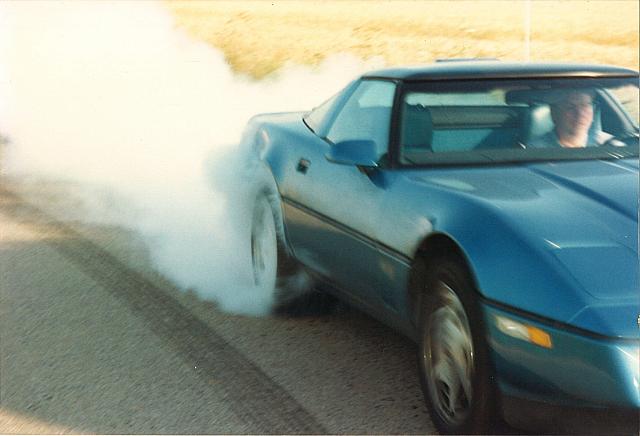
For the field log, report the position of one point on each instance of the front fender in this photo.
(509, 266)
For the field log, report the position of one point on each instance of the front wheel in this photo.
(453, 359)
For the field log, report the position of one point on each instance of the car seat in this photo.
(417, 128)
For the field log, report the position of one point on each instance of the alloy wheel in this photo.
(264, 252)
(448, 357)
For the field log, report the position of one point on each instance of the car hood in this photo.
(600, 200)
(611, 184)
(582, 214)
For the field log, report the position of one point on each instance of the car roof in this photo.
(493, 69)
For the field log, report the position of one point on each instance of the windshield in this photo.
(518, 120)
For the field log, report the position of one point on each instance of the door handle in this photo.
(303, 166)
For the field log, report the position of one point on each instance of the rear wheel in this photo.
(264, 245)
(275, 271)
(453, 359)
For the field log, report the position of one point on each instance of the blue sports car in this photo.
(489, 211)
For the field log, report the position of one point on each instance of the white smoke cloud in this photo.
(111, 96)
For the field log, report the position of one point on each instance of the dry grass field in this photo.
(258, 37)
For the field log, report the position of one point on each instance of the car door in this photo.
(334, 212)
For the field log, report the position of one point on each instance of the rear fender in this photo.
(261, 157)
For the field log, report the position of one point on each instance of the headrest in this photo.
(417, 127)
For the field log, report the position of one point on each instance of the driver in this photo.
(572, 118)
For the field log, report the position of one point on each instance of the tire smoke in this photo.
(145, 121)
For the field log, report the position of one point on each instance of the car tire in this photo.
(275, 270)
(264, 245)
(453, 357)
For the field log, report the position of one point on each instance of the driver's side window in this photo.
(366, 115)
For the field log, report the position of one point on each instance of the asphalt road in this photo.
(92, 340)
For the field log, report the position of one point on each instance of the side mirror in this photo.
(362, 153)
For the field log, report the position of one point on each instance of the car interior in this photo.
(439, 129)
(461, 128)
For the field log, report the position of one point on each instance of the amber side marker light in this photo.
(528, 333)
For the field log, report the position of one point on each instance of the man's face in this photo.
(574, 114)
